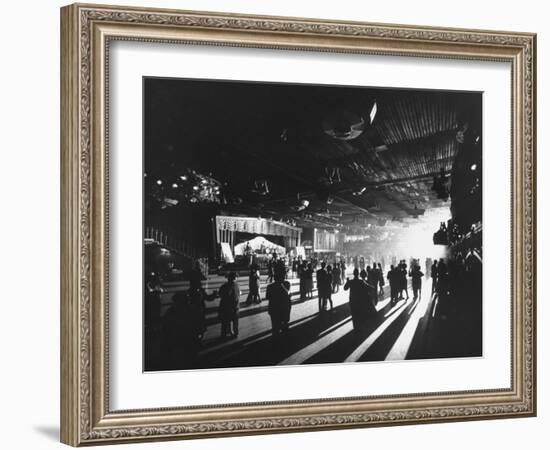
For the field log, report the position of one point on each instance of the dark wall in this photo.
(190, 225)
(466, 176)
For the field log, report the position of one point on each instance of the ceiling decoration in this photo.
(311, 155)
(344, 125)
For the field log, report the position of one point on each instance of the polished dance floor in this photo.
(411, 329)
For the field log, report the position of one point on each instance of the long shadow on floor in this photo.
(223, 345)
(381, 347)
(453, 330)
(338, 350)
(247, 310)
(269, 352)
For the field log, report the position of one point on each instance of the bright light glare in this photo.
(416, 241)
(373, 112)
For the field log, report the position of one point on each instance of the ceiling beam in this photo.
(361, 154)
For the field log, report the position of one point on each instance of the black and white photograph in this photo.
(288, 224)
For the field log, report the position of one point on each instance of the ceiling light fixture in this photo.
(344, 125)
(373, 111)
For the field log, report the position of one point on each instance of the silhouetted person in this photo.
(336, 278)
(180, 343)
(197, 298)
(295, 265)
(308, 277)
(402, 268)
(416, 275)
(230, 294)
(442, 279)
(271, 267)
(381, 281)
(323, 286)
(196, 274)
(361, 308)
(253, 286)
(393, 279)
(363, 275)
(329, 290)
(433, 274)
(372, 280)
(369, 291)
(279, 304)
(343, 271)
(302, 277)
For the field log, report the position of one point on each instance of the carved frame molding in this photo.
(86, 31)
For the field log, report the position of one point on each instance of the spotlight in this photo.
(170, 201)
(473, 167)
(260, 187)
(301, 204)
(175, 185)
(373, 112)
(196, 188)
(183, 177)
(343, 125)
(159, 182)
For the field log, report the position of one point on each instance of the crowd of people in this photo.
(397, 277)
(183, 325)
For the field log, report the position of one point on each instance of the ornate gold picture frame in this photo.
(87, 31)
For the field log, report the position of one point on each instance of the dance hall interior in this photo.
(309, 224)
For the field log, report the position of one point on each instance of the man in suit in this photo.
(323, 286)
(228, 309)
(361, 306)
(279, 304)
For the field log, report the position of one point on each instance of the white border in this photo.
(132, 389)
